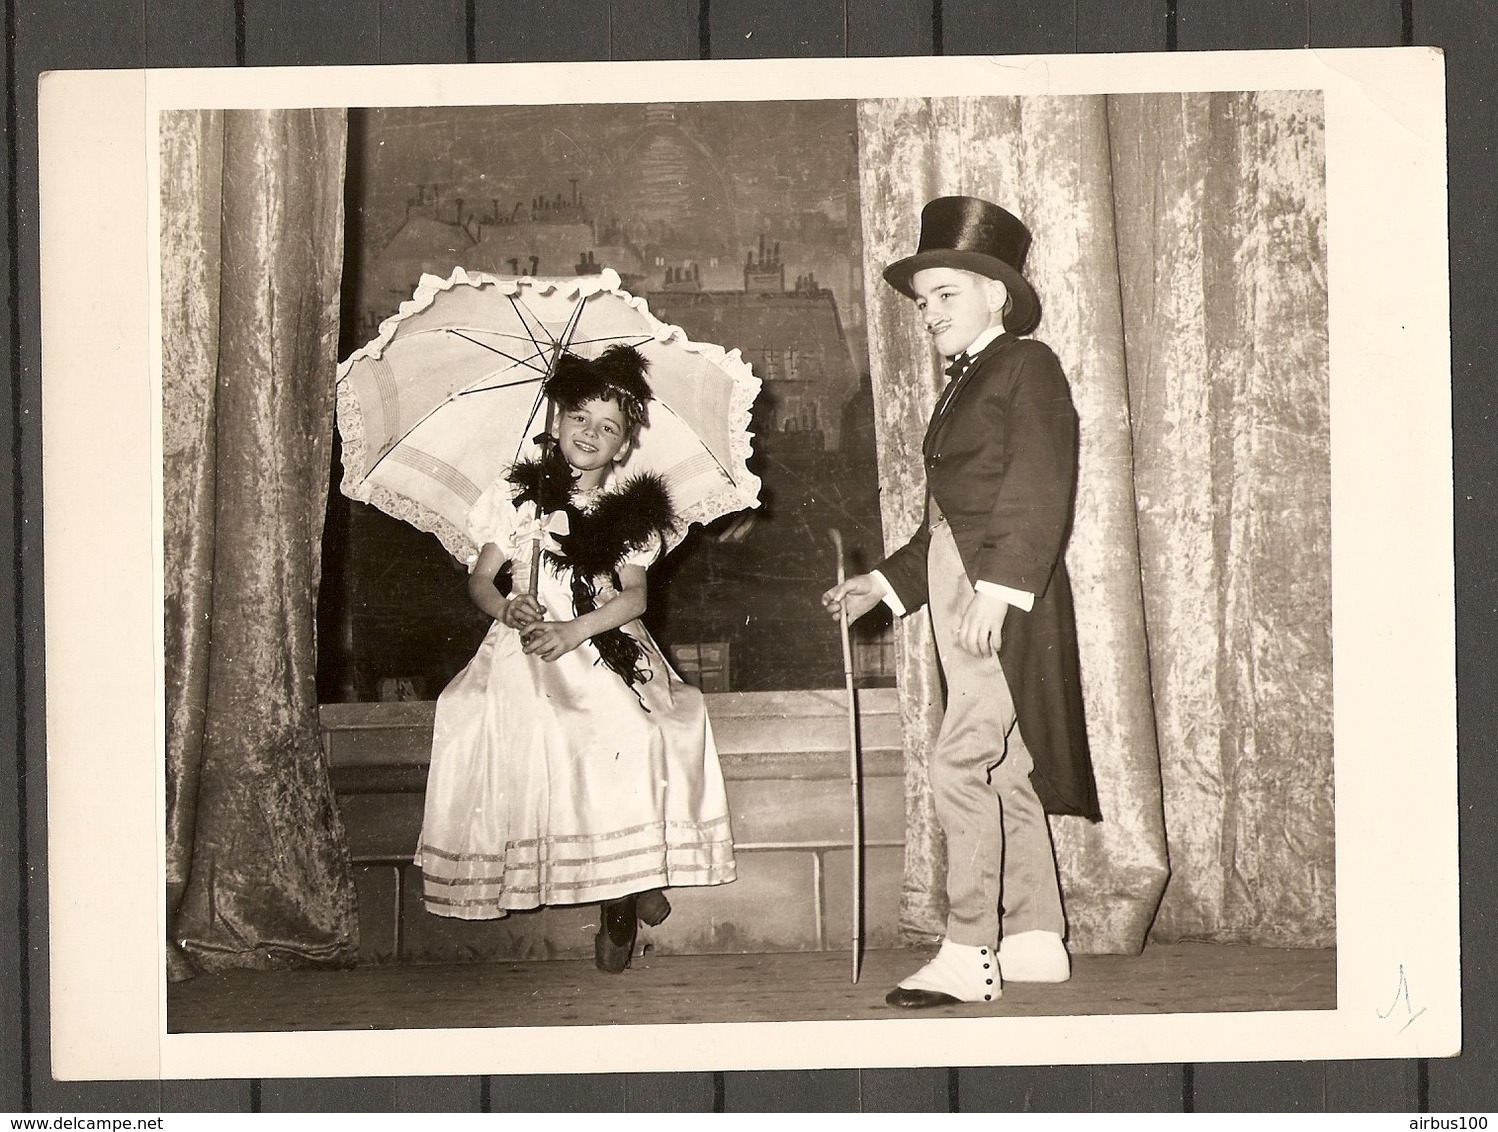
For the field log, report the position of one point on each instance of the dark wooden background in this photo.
(57, 34)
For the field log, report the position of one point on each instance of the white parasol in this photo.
(448, 395)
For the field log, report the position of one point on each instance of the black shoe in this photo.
(917, 999)
(652, 907)
(614, 945)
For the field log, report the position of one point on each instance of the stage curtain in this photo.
(252, 248)
(1179, 255)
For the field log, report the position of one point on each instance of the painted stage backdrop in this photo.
(738, 222)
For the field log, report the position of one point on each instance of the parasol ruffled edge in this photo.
(740, 493)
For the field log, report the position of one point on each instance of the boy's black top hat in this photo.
(973, 235)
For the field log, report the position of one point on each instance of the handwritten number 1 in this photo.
(1402, 994)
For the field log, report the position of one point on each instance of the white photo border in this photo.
(1398, 969)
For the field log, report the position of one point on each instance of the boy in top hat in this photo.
(1000, 455)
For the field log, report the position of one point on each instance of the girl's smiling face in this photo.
(592, 436)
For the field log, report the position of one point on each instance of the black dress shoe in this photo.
(915, 999)
(652, 907)
(614, 945)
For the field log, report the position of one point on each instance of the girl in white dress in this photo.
(570, 764)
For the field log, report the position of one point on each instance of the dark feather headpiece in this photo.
(618, 374)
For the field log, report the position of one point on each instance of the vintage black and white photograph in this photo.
(802, 551)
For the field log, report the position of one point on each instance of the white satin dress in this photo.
(553, 782)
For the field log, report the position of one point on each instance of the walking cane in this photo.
(853, 770)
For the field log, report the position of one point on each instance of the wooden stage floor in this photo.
(807, 986)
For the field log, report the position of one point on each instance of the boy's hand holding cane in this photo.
(857, 596)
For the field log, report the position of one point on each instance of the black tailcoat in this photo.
(1001, 464)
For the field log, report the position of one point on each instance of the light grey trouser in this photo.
(998, 841)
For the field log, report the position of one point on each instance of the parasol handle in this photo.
(853, 768)
(534, 586)
(551, 410)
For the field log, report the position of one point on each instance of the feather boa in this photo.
(620, 522)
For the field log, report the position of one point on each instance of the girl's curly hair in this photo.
(617, 375)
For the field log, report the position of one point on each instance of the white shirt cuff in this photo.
(890, 599)
(1021, 598)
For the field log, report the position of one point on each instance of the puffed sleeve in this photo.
(646, 556)
(492, 519)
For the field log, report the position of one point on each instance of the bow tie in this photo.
(958, 365)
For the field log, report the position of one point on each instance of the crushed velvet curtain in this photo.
(1179, 251)
(252, 250)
